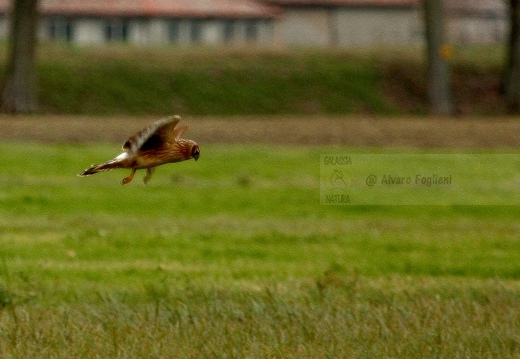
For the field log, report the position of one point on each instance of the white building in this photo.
(341, 23)
(152, 21)
(347, 23)
(477, 21)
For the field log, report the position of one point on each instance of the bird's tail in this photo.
(109, 165)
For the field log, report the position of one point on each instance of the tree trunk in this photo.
(439, 79)
(511, 83)
(19, 88)
(332, 24)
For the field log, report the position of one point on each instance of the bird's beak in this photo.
(196, 157)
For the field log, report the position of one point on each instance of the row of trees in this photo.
(19, 88)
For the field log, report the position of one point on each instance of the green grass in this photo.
(204, 81)
(225, 81)
(233, 256)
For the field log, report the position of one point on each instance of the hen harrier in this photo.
(155, 145)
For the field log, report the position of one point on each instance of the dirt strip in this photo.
(345, 131)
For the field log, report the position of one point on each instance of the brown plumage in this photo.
(155, 145)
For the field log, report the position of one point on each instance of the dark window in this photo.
(174, 31)
(229, 30)
(196, 31)
(61, 29)
(251, 30)
(116, 30)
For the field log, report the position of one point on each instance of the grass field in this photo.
(121, 79)
(205, 82)
(233, 256)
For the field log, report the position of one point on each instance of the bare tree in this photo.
(19, 88)
(439, 73)
(511, 81)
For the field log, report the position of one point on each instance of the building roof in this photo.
(451, 6)
(356, 3)
(235, 8)
(150, 8)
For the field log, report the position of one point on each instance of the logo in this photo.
(336, 179)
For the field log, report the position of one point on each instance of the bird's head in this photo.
(195, 151)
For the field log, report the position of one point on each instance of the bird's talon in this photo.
(126, 180)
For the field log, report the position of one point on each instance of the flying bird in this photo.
(155, 145)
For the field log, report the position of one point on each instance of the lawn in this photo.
(143, 81)
(233, 256)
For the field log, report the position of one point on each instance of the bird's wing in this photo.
(152, 136)
(179, 131)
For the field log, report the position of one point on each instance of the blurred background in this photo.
(234, 255)
(259, 57)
